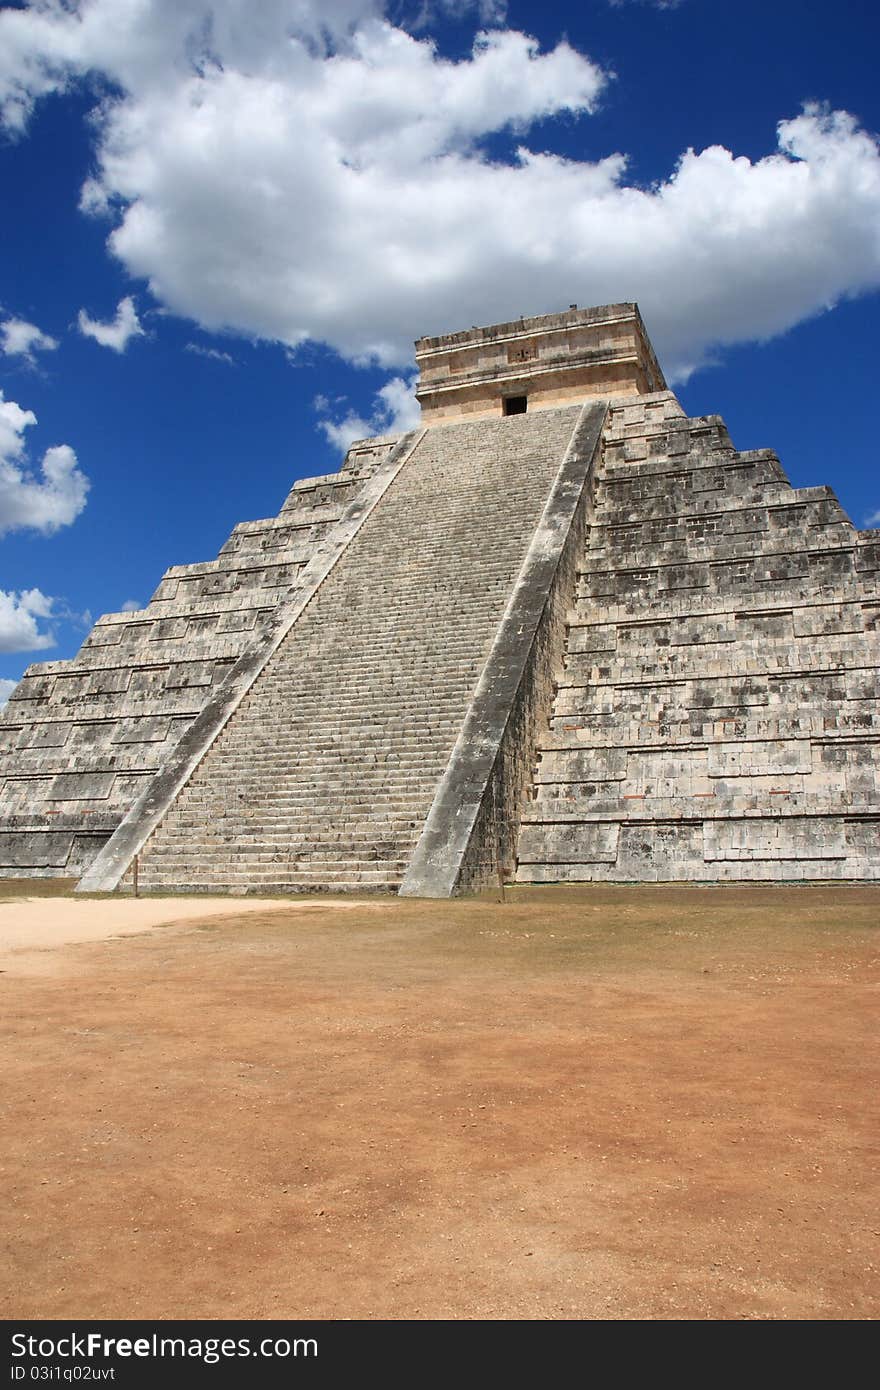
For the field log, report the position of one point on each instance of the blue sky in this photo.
(226, 224)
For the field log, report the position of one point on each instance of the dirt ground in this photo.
(587, 1103)
(28, 925)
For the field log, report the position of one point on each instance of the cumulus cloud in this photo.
(19, 622)
(43, 503)
(116, 334)
(873, 519)
(395, 411)
(47, 44)
(288, 178)
(131, 605)
(18, 338)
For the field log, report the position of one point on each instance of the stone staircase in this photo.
(324, 775)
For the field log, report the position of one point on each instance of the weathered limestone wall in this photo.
(80, 739)
(719, 713)
(553, 360)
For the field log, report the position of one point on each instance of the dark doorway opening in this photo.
(516, 405)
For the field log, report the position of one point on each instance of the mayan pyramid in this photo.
(560, 632)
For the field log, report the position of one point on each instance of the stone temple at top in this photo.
(559, 632)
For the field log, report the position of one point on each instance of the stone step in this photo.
(342, 862)
(268, 884)
(326, 771)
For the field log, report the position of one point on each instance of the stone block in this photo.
(105, 635)
(652, 851)
(582, 765)
(702, 631)
(778, 839)
(109, 682)
(34, 849)
(760, 758)
(81, 786)
(151, 729)
(593, 639)
(666, 772)
(48, 735)
(588, 843)
(764, 627)
(185, 674)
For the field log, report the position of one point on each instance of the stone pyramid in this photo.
(560, 632)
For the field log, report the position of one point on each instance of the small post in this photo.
(499, 865)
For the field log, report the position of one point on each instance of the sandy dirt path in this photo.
(32, 929)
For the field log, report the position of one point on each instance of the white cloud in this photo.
(420, 16)
(873, 519)
(654, 4)
(116, 334)
(213, 354)
(53, 500)
(288, 182)
(19, 615)
(395, 411)
(18, 338)
(131, 605)
(6, 689)
(49, 43)
(93, 198)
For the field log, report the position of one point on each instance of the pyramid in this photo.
(560, 632)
